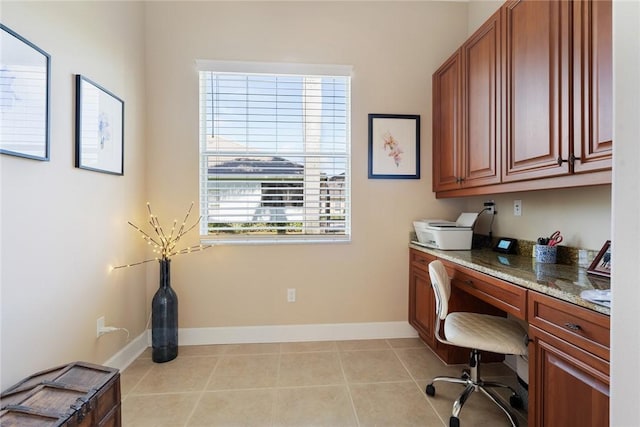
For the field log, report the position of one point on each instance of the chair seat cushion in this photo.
(485, 332)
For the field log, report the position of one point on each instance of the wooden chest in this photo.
(75, 395)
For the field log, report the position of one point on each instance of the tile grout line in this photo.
(137, 383)
(401, 350)
(201, 394)
(415, 381)
(276, 394)
(348, 385)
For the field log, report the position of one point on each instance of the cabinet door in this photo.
(537, 89)
(447, 131)
(425, 308)
(421, 299)
(481, 101)
(567, 386)
(593, 85)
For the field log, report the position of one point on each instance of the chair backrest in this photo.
(441, 284)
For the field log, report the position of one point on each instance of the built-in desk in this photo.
(564, 282)
(569, 336)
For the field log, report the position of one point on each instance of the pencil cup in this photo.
(546, 254)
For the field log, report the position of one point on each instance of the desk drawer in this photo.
(419, 259)
(577, 325)
(507, 297)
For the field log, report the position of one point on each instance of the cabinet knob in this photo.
(572, 326)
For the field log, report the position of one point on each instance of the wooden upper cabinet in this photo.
(537, 89)
(526, 103)
(592, 85)
(466, 104)
(447, 131)
(481, 62)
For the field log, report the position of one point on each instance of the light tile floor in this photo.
(334, 383)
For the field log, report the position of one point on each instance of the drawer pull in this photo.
(469, 282)
(572, 326)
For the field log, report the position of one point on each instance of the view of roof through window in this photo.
(274, 154)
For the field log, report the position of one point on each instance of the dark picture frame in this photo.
(99, 128)
(394, 146)
(601, 264)
(25, 78)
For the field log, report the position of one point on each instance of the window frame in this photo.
(272, 69)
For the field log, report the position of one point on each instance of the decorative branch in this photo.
(135, 263)
(166, 247)
(184, 221)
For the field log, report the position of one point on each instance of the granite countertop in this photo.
(564, 282)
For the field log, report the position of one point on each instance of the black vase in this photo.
(164, 318)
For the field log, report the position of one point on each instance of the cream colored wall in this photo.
(61, 226)
(394, 47)
(583, 215)
(479, 12)
(56, 274)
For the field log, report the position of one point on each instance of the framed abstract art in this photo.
(99, 128)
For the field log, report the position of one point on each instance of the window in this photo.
(274, 152)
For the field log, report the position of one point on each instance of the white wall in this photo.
(61, 227)
(625, 317)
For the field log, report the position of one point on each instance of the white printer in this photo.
(446, 235)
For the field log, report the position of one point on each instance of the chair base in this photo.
(472, 382)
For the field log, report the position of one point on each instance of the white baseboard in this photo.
(268, 334)
(295, 333)
(130, 352)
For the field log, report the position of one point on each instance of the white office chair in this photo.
(478, 332)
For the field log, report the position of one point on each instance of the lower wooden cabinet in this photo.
(568, 364)
(567, 385)
(421, 298)
(422, 311)
(569, 348)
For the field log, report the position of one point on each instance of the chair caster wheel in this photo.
(466, 374)
(431, 390)
(516, 401)
(454, 422)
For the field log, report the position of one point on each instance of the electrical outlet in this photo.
(490, 206)
(99, 326)
(517, 207)
(291, 295)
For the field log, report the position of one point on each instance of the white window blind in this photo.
(274, 157)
